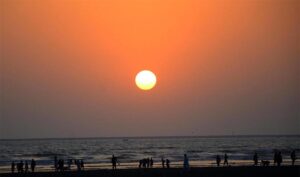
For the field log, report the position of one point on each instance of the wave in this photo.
(100, 150)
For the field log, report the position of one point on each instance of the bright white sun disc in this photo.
(145, 80)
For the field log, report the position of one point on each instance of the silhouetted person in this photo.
(144, 163)
(168, 163)
(225, 159)
(114, 162)
(13, 167)
(61, 165)
(82, 164)
(21, 166)
(32, 165)
(58, 165)
(163, 162)
(255, 159)
(147, 162)
(76, 162)
(55, 163)
(293, 157)
(78, 165)
(26, 167)
(279, 158)
(151, 162)
(218, 160)
(275, 157)
(140, 163)
(186, 164)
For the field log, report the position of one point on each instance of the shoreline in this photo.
(233, 171)
(157, 165)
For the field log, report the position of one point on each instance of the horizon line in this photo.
(140, 137)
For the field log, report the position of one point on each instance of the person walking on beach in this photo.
(279, 158)
(144, 163)
(55, 163)
(186, 164)
(255, 159)
(21, 166)
(148, 162)
(168, 163)
(82, 164)
(78, 165)
(13, 167)
(26, 166)
(293, 157)
(61, 165)
(225, 159)
(32, 165)
(218, 160)
(275, 157)
(114, 162)
(151, 162)
(163, 162)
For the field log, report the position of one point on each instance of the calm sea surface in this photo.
(99, 150)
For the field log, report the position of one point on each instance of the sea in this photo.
(97, 152)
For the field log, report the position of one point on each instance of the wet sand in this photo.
(243, 171)
(134, 165)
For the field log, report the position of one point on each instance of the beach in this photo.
(97, 152)
(242, 171)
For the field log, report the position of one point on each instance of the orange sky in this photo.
(222, 66)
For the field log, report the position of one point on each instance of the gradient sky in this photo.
(223, 66)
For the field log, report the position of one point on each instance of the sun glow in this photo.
(145, 80)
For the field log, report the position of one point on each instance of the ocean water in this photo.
(130, 150)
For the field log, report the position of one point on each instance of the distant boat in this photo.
(125, 139)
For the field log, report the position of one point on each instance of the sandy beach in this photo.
(133, 165)
(245, 171)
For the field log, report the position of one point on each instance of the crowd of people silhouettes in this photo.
(146, 163)
(21, 167)
(59, 165)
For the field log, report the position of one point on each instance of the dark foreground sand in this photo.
(284, 171)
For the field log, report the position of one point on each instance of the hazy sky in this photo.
(223, 66)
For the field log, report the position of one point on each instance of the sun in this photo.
(145, 80)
